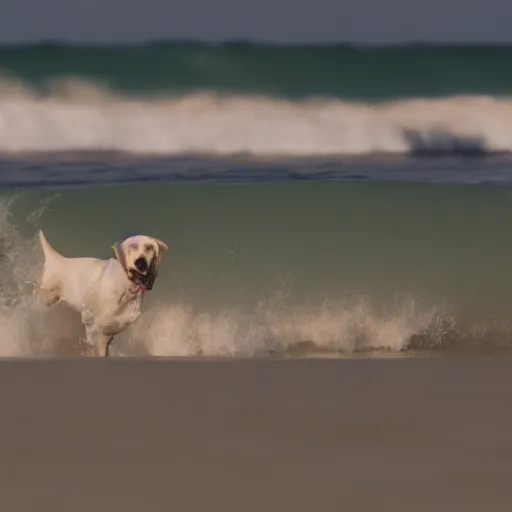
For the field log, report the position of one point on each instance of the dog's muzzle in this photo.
(144, 273)
(142, 265)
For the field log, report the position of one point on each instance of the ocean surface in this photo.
(316, 200)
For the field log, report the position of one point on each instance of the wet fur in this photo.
(100, 290)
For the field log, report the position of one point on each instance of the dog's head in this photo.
(140, 256)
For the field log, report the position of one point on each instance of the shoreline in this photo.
(256, 434)
(377, 355)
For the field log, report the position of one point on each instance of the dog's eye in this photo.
(148, 248)
(134, 247)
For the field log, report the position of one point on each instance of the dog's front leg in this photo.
(102, 343)
(97, 341)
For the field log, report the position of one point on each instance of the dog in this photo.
(107, 293)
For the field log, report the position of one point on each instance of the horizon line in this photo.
(252, 42)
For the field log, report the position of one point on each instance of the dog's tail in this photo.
(48, 251)
(52, 261)
(45, 245)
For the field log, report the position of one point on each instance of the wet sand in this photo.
(123, 435)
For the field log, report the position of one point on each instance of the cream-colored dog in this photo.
(107, 293)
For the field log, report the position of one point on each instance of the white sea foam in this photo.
(74, 115)
(176, 330)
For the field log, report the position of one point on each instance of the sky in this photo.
(371, 21)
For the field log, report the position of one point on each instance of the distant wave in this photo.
(80, 116)
(362, 73)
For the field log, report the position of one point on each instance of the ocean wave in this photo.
(73, 115)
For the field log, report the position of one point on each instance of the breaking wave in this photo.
(73, 115)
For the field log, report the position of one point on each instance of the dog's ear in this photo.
(162, 247)
(118, 251)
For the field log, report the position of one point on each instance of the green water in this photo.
(235, 245)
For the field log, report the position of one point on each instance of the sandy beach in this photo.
(123, 435)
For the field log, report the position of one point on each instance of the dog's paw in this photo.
(86, 349)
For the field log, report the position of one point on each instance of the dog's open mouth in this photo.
(143, 279)
(142, 273)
